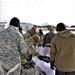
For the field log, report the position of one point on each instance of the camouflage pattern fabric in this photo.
(32, 71)
(12, 45)
(16, 72)
(29, 34)
(48, 37)
(41, 40)
(30, 52)
(31, 47)
(1, 71)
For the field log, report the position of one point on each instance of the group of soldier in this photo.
(36, 39)
(17, 49)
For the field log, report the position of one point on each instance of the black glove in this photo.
(29, 57)
(52, 65)
(46, 59)
(43, 45)
(47, 45)
(29, 64)
(40, 57)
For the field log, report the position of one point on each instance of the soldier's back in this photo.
(9, 54)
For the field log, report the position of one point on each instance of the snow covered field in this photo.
(44, 51)
(48, 31)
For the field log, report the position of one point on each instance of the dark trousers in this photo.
(64, 73)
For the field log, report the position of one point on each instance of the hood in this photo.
(65, 33)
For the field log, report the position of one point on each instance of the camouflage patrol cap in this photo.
(36, 38)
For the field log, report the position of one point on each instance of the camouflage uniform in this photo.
(48, 37)
(31, 51)
(29, 34)
(40, 33)
(12, 46)
(41, 39)
(32, 71)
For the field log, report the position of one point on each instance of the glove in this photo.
(29, 57)
(52, 65)
(40, 57)
(46, 59)
(29, 64)
(47, 45)
(43, 45)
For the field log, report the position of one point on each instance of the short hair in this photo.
(51, 29)
(33, 29)
(60, 26)
(35, 26)
(36, 38)
(15, 22)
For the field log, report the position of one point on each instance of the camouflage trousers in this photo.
(16, 72)
(31, 71)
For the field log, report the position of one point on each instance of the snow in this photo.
(44, 51)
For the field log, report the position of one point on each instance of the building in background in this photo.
(26, 26)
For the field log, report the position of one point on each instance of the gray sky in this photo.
(39, 11)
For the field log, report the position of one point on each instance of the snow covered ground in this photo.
(45, 30)
(48, 31)
(44, 51)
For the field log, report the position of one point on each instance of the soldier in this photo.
(62, 53)
(31, 32)
(48, 37)
(41, 37)
(28, 66)
(12, 45)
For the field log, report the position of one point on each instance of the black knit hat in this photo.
(15, 22)
(60, 26)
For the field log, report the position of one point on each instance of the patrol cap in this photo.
(36, 38)
(15, 22)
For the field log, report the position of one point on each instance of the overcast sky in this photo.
(39, 11)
